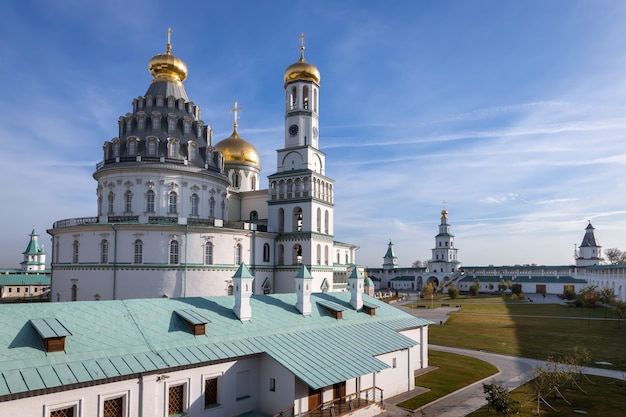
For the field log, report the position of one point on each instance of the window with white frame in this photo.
(172, 148)
(150, 201)
(114, 406)
(75, 252)
(104, 251)
(171, 124)
(212, 207)
(208, 253)
(111, 202)
(192, 151)
(64, 411)
(211, 392)
(156, 121)
(176, 401)
(128, 201)
(174, 252)
(132, 147)
(152, 147)
(238, 250)
(266, 252)
(195, 201)
(173, 203)
(138, 251)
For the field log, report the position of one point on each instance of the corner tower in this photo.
(589, 251)
(300, 195)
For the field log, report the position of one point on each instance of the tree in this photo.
(429, 289)
(615, 256)
(587, 297)
(453, 291)
(499, 399)
(475, 288)
(606, 295)
(516, 289)
(417, 264)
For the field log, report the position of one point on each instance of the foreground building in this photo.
(178, 213)
(211, 356)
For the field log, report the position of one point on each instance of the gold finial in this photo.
(236, 117)
(169, 44)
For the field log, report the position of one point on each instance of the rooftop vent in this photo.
(194, 321)
(52, 334)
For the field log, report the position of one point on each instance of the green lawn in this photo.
(510, 328)
(455, 372)
(607, 398)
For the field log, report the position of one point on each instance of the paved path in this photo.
(513, 372)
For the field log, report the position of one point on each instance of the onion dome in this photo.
(302, 70)
(236, 149)
(167, 67)
(444, 214)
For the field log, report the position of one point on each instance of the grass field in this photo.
(533, 330)
(455, 372)
(607, 398)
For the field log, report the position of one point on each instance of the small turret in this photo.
(304, 279)
(242, 290)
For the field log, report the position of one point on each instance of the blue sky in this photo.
(514, 113)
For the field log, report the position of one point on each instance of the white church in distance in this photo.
(177, 214)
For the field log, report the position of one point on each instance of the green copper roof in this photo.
(521, 279)
(123, 337)
(24, 279)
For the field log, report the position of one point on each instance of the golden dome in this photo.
(444, 213)
(167, 67)
(302, 70)
(236, 149)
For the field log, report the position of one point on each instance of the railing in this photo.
(74, 222)
(341, 406)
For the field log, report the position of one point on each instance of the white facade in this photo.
(177, 215)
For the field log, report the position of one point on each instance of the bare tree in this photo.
(416, 264)
(615, 256)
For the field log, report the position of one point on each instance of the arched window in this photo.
(254, 216)
(172, 148)
(212, 207)
(74, 292)
(104, 251)
(281, 220)
(326, 221)
(297, 254)
(174, 253)
(319, 219)
(305, 97)
(315, 100)
(281, 255)
(208, 253)
(138, 250)
(111, 202)
(253, 183)
(347, 257)
(132, 147)
(238, 250)
(293, 98)
(297, 219)
(75, 252)
(236, 180)
(229, 289)
(325, 255)
(128, 201)
(150, 201)
(152, 148)
(319, 254)
(173, 203)
(195, 201)
(266, 252)
(192, 151)
(338, 257)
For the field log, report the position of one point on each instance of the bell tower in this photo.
(300, 195)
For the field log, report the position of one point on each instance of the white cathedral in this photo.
(177, 214)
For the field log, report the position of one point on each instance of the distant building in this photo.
(211, 356)
(32, 280)
(444, 268)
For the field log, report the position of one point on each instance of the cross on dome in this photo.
(235, 117)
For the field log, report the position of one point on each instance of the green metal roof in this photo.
(123, 337)
(24, 279)
(543, 279)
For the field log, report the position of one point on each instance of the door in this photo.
(315, 398)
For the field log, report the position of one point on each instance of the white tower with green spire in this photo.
(589, 251)
(34, 255)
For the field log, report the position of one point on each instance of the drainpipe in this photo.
(114, 259)
(185, 270)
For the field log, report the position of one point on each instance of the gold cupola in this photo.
(236, 149)
(167, 67)
(302, 70)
